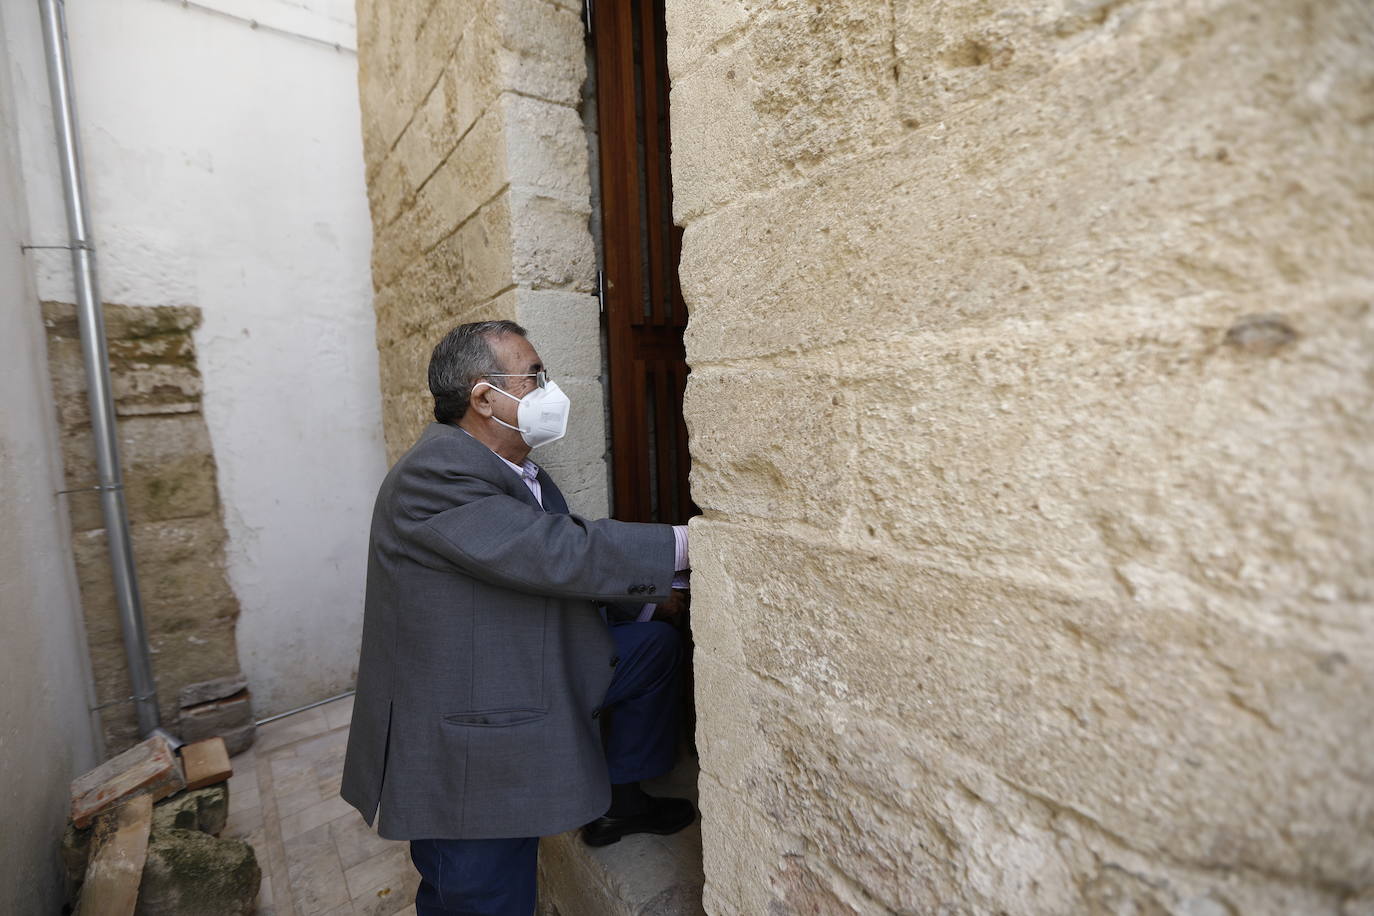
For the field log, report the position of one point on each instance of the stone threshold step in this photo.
(641, 875)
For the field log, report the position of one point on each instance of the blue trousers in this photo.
(497, 877)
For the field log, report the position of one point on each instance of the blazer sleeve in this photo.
(449, 517)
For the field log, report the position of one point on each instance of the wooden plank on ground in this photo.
(206, 763)
(119, 847)
(148, 767)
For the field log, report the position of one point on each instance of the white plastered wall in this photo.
(46, 735)
(225, 171)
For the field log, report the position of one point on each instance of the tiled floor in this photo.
(319, 858)
(317, 854)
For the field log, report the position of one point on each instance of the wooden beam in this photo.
(119, 848)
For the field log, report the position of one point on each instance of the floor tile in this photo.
(308, 796)
(313, 873)
(331, 744)
(323, 812)
(242, 820)
(291, 729)
(246, 796)
(290, 773)
(389, 897)
(357, 842)
(380, 869)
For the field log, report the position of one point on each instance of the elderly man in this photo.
(485, 661)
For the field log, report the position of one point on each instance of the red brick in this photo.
(148, 768)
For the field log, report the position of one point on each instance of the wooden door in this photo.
(644, 312)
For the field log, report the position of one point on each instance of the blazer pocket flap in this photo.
(494, 718)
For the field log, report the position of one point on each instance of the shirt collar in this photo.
(528, 470)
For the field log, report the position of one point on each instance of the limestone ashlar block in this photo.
(404, 416)
(551, 245)
(578, 461)
(546, 149)
(1131, 203)
(545, 50)
(148, 768)
(209, 720)
(387, 35)
(168, 464)
(189, 610)
(206, 763)
(182, 577)
(734, 416)
(119, 851)
(178, 657)
(467, 56)
(216, 689)
(762, 113)
(1035, 448)
(694, 28)
(448, 198)
(565, 328)
(466, 268)
(1031, 682)
(464, 94)
(152, 360)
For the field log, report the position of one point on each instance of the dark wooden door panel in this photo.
(645, 314)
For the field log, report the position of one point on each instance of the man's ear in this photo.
(480, 400)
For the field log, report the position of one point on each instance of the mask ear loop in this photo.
(507, 394)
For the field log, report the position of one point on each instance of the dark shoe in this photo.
(664, 816)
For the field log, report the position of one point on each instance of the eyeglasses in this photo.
(541, 378)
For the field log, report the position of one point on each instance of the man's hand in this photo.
(678, 601)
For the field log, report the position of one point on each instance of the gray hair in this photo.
(459, 360)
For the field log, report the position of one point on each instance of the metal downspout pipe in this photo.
(91, 321)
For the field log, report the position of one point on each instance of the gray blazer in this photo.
(484, 659)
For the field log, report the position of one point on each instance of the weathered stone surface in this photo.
(76, 853)
(169, 470)
(551, 247)
(205, 810)
(631, 878)
(152, 360)
(238, 740)
(462, 183)
(190, 873)
(1034, 346)
(479, 190)
(546, 150)
(173, 503)
(210, 719)
(217, 689)
(695, 28)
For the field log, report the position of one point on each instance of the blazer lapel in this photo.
(553, 497)
(500, 471)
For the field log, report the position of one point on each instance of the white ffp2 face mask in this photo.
(542, 415)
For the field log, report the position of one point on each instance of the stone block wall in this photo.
(478, 185)
(175, 516)
(1031, 414)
